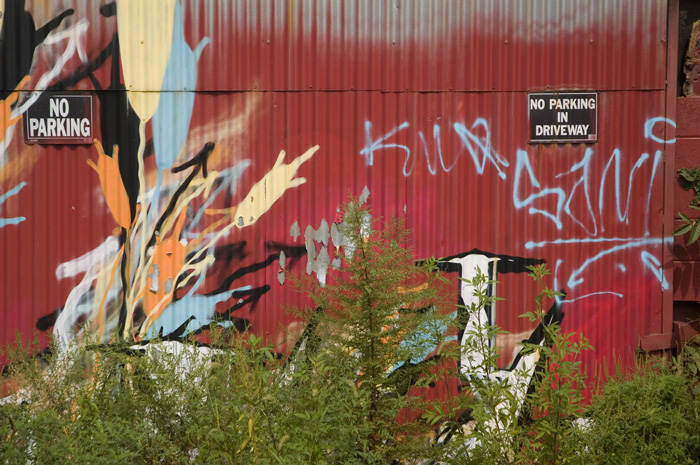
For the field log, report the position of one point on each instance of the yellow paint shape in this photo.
(145, 38)
(279, 179)
(103, 284)
(269, 189)
(2, 13)
(112, 186)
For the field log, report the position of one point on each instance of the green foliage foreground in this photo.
(358, 388)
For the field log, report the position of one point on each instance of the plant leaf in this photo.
(690, 175)
(683, 217)
(682, 230)
(694, 232)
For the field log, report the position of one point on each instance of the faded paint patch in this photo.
(317, 263)
(365, 195)
(282, 262)
(295, 231)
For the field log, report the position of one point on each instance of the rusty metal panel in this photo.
(395, 45)
(434, 46)
(422, 103)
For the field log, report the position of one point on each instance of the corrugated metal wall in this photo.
(424, 103)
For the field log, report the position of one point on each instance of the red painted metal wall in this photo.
(423, 103)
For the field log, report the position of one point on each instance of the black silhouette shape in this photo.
(18, 40)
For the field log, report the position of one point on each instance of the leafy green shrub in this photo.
(649, 416)
(529, 412)
(350, 401)
(691, 180)
(556, 404)
(357, 388)
(377, 326)
(82, 406)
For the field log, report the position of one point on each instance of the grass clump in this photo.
(650, 415)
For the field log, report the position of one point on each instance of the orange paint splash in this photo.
(7, 119)
(112, 185)
(19, 166)
(169, 257)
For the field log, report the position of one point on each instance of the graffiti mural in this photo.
(228, 133)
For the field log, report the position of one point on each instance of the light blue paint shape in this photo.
(523, 164)
(627, 243)
(417, 342)
(11, 221)
(622, 267)
(427, 332)
(574, 279)
(649, 126)
(171, 121)
(585, 166)
(199, 308)
(654, 265)
(616, 156)
(657, 160)
(12, 192)
(478, 146)
(576, 240)
(438, 144)
(593, 294)
(374, 145)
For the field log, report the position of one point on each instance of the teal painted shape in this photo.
(12, 192)
(199, 309)
(171, 122)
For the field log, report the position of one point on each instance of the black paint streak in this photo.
(199, 162)
(253, 297)
(46, 322)
(108, 10)
(18, 40)
(230, 252)
(119, 126)
(292, 252)
(124, 275)
(240, 325)
(239, 273)
(506, 263)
